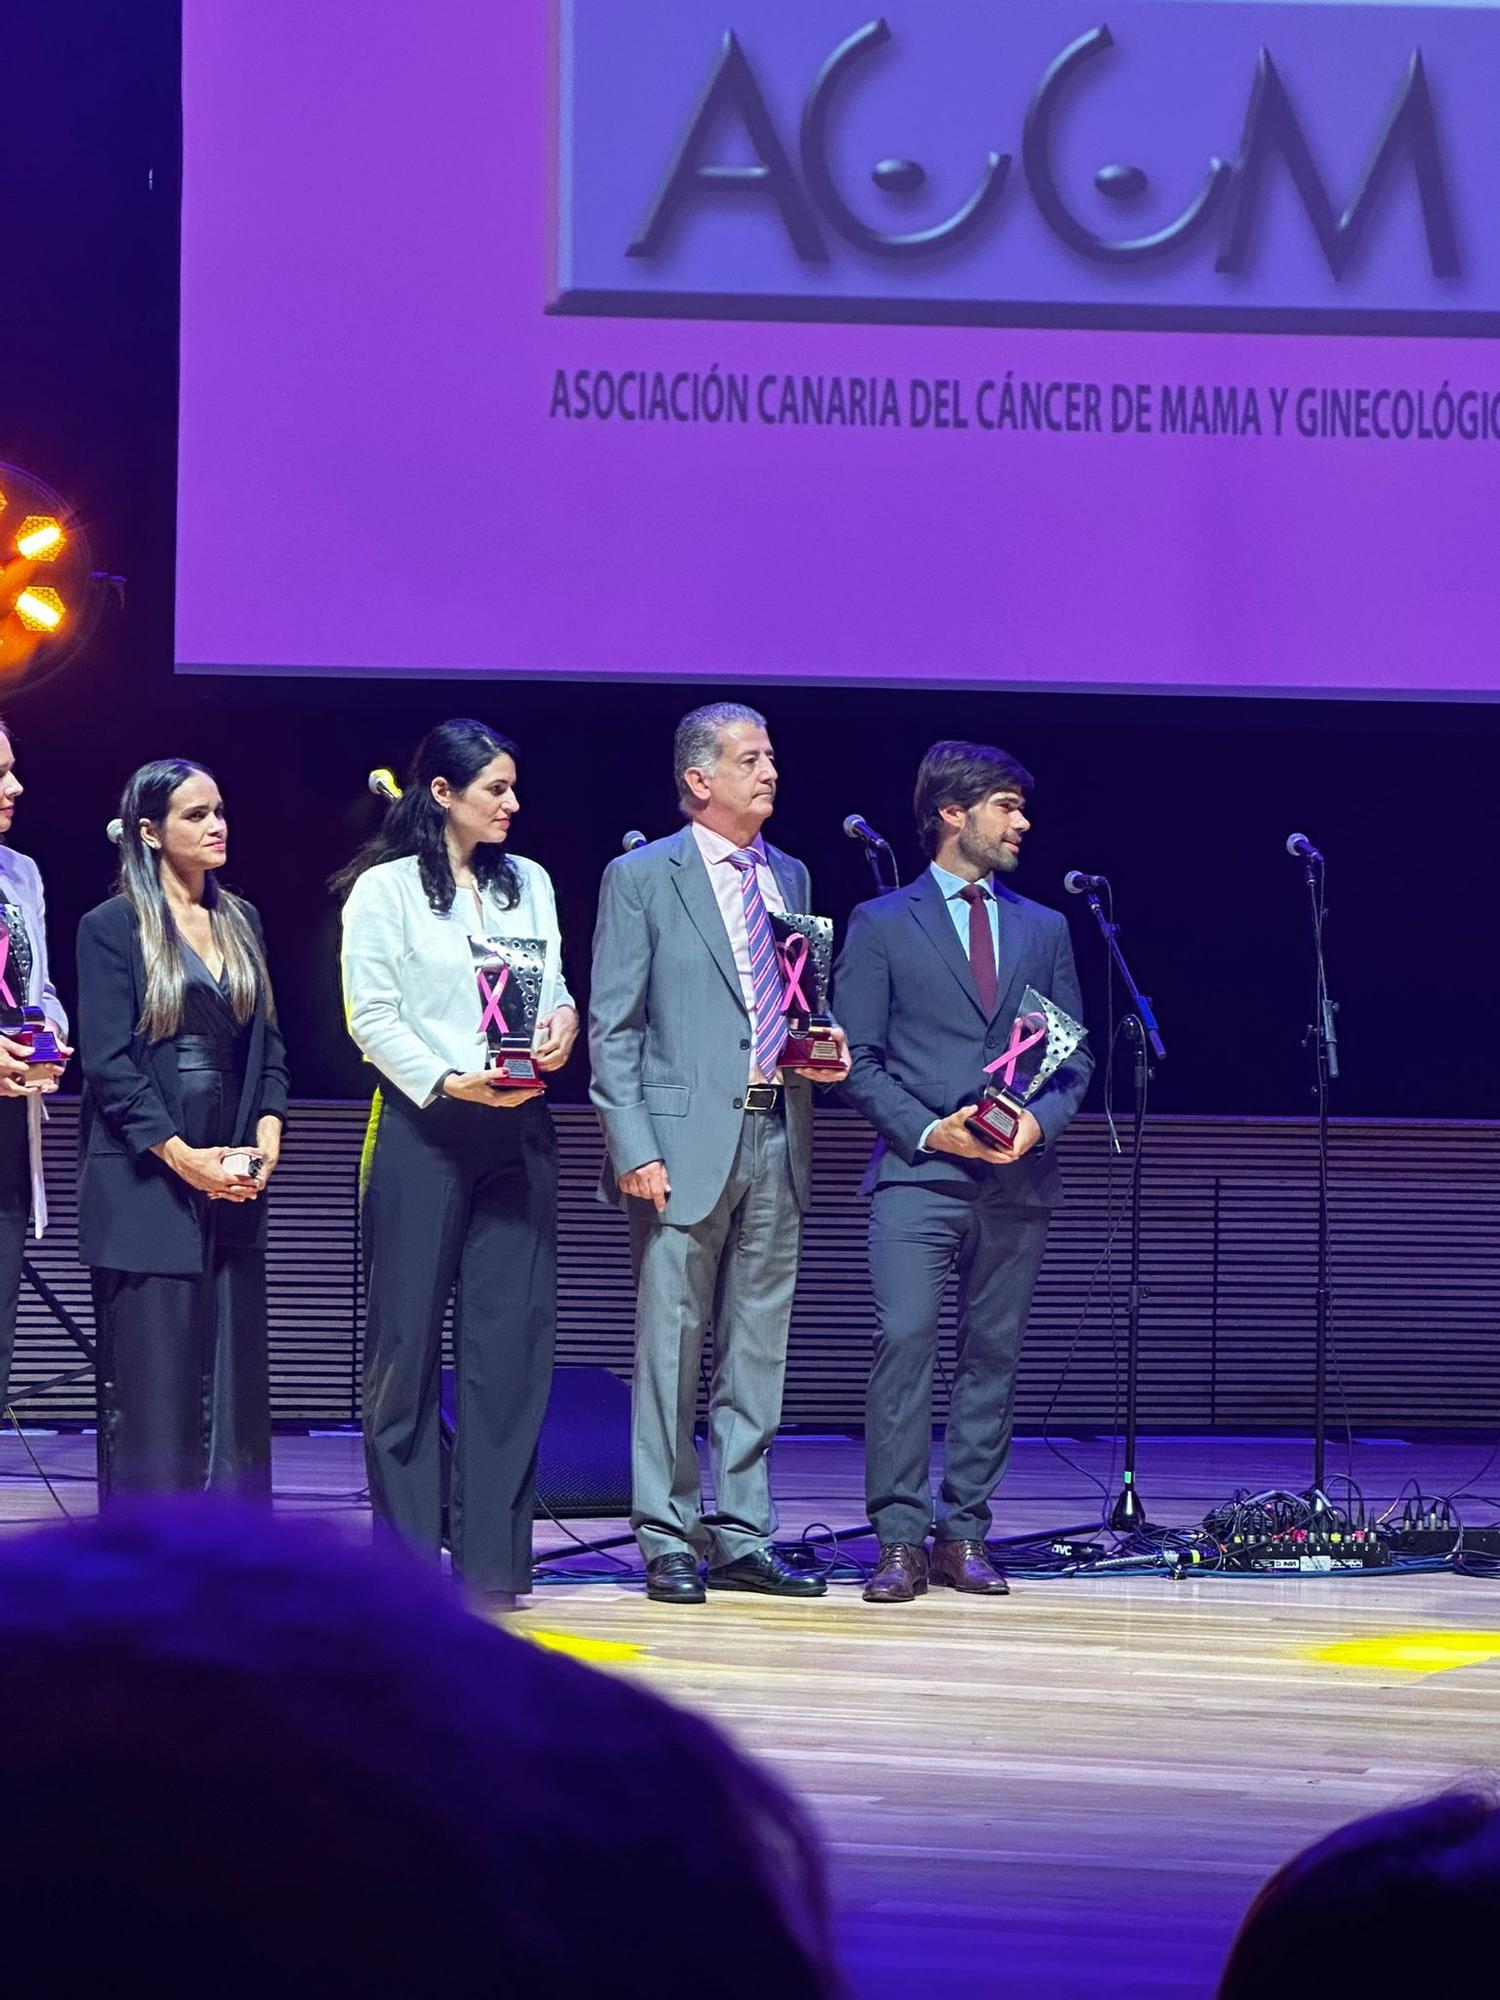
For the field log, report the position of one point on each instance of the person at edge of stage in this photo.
(24, 982)
(927, 984)
(184, 1099)
(709, 1152)
(459, 1186)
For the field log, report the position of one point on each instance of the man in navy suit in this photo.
(927, 985)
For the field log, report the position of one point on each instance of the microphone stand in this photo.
(1127, 1515)
(1323, 1034)
(875, 855)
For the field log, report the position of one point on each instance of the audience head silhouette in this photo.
(1375, 1908)
(249, 1759)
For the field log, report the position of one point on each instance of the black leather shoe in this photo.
(674, 1579)
(764, 1571)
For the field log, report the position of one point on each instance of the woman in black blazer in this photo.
(184, 1095)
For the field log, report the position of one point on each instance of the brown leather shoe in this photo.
(967, 1566)
(900, 1575)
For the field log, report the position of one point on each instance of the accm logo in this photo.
(813, 204)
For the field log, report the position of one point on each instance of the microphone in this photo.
(859, 828)
(1078, 884)
(1301, 848)
(115, 831)
(383, 784)
(634, 839)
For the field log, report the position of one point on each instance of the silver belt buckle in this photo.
(762, 1097)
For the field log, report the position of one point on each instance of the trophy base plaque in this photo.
(516, 1067)
(814, 1048)
(29, 1025)
(998, 1119)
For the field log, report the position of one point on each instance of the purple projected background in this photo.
(379, 472)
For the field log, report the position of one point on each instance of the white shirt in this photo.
(410, 997)
(729, 892)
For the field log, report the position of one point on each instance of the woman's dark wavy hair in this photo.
(414, 823)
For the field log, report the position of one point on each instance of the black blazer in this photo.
(919, 1039)
(134, 1213)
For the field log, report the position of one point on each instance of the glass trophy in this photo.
(804, 952)
(509, 973)
(1042, 1037)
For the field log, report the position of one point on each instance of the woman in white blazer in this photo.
(24, 982)
(459, 1185)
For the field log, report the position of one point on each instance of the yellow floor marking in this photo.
(1414, 1652)
(595, 1652)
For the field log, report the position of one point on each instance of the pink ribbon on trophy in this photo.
(794, 954)
(491, 996)
(5, 993)
(1020, 1042)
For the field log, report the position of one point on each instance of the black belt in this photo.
(205, 1052)
(763, 1097)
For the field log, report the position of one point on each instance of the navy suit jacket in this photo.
(919, 1038)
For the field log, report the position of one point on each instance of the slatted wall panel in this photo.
(1229, 1263)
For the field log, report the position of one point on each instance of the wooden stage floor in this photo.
(1070, 1792)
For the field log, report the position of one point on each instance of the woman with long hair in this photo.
(24, 1080)
(459, 1188)
(185, 1094)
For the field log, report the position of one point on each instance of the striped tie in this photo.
(765, 973)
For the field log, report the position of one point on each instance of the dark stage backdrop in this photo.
(1184, 801)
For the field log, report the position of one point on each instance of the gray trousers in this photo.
(738, 1268)
(919, 1237)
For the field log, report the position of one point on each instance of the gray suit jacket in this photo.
(669, 1035)
(919, 1039)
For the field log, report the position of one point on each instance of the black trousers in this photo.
(459, 1196)
(15, 1217)
(184, 1380)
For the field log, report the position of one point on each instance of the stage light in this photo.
(49, 595)
(40, 538)
(39, 608)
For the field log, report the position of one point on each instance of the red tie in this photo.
(981, 947)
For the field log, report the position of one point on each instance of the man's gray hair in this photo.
(696, 746)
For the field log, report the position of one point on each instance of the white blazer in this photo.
(21, 885)
(410, 998)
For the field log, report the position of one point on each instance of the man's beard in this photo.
(997, 860)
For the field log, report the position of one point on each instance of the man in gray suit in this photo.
(709, 1146)
(928, 983)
